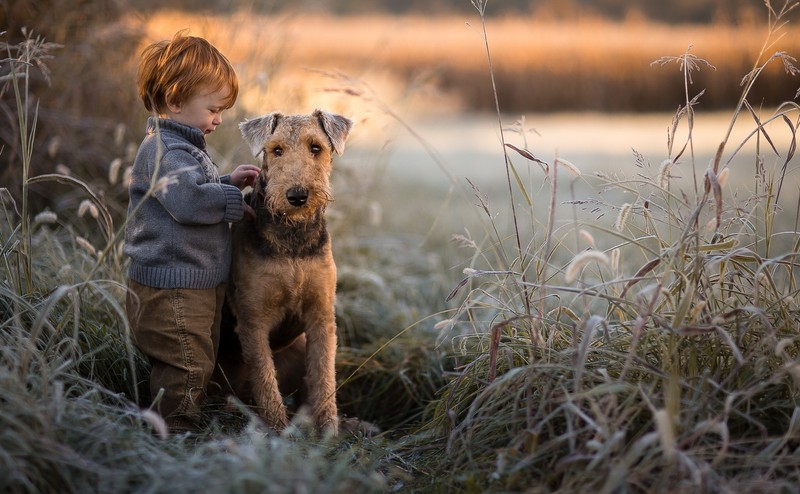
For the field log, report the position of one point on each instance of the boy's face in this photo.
(202, 111)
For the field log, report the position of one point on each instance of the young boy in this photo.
(178, 236)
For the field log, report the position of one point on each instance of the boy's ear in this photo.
(169, 99)
(173, 108)
(256, 131)
(336, 126)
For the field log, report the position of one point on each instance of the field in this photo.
(575, 328)
(538, 65)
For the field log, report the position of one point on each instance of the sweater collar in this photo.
(189, 133)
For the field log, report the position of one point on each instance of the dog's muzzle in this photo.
(297, 196)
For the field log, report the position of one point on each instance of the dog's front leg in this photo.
(320, 365)
(258, 357)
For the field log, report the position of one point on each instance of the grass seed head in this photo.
(119, 134)
(45, 218)
(53, 146)
(113, 170)
(622, 218)
(88, 206)
(581, 260)
(615, 255)
(663, 173)
(87, 246)
(587, 237)
(156, 422)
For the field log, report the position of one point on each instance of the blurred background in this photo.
(573, 78)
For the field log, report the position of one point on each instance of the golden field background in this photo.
(540, 65)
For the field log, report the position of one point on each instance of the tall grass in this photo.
(657, 353)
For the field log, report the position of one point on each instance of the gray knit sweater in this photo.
(179, 237)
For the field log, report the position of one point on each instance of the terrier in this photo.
(282, 288)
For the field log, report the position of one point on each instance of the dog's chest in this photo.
(283, 268)
(272, 239)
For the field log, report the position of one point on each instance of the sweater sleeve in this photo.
(235, 204)
(190, 198)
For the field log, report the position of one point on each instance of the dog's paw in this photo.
(328, 423)
(275, 418)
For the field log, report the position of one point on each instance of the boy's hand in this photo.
(244, 176)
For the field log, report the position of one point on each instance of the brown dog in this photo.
(283, 278)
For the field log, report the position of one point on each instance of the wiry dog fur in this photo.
(283, 277)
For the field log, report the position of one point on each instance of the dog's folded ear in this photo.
(336, 126)
(256, 131)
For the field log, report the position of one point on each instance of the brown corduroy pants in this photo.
(178, 330)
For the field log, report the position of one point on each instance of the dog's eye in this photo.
(277, 151)
(316, 149)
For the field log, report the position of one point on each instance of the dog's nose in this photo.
(297, 196)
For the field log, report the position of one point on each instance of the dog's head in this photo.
(296, 153)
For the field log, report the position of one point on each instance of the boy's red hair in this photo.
(173, 71)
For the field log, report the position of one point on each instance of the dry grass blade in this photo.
(789, 155)
(529, 156)
(592, 325)
(641, 274)
(712, 183)
(760, 127)
(38, 325)
(494, 345)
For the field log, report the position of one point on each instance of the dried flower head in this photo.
(687, 63)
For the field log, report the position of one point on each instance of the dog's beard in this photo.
(278, 209)
(269, 199)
